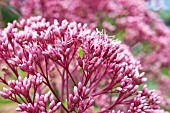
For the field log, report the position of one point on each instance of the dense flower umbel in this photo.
(139, 26)
(74, 64)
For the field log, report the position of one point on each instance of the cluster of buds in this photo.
(85, 62)
(42, 101)
(145, 101)
(40, 104)
(80, 100)
(21, 87)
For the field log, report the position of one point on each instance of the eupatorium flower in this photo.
(141, 29)
(68, 67)
(134, 20)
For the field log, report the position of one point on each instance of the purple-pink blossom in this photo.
(68, 67)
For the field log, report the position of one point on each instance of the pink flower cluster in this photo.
(22, 89)
(80, 93)
(84, 63)
(132, 18)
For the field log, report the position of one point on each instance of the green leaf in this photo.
(165, 71)
(65, 103)
(96, 108)
(120, 35)
(146, 47)
(165, 15)
(5, 101)
(9, 14)
(21, 73)
(110, 20)
(151, 85)
(80, 52)
(137, 49)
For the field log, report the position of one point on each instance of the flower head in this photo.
(84, 63)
